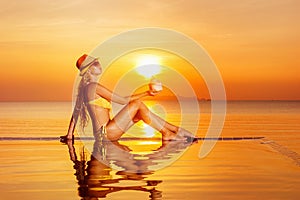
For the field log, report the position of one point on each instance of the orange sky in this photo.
(175, 73)
(255, 44)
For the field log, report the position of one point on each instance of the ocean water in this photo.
(35, 165)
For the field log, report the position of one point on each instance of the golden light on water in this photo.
(146, 130)
(148, 65)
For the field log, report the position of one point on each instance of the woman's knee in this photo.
(136, 103)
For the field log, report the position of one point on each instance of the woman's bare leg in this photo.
(132, 113)
(180, 131)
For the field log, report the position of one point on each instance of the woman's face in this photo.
(96, 68)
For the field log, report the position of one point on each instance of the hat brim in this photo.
(84, 68)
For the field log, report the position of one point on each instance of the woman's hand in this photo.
(155, 87)
(152, 92)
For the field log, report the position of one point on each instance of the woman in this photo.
(94, 99)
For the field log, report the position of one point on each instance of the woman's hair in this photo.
(83, 113)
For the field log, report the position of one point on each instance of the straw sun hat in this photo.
(84, 62)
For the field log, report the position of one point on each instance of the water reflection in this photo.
(96, 178)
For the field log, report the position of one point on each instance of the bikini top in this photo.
(101, 102)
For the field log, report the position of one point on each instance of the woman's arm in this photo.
(73, 120)
(109, 95)
(72, 125)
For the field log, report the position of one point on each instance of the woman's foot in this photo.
(187, 135)
(181, 134)
(184, 133)
(169, 135)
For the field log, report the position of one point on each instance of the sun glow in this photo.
(149, 131)
(148, 65)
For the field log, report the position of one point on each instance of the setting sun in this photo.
(148, 65)
(149, 131)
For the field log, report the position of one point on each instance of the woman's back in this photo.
(98, 107)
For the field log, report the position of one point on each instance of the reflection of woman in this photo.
(94, 99)
(96, 180)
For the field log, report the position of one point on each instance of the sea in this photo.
(255, 154)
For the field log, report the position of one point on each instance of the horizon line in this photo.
(200, 100)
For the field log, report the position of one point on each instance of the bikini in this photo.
(101, 102)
